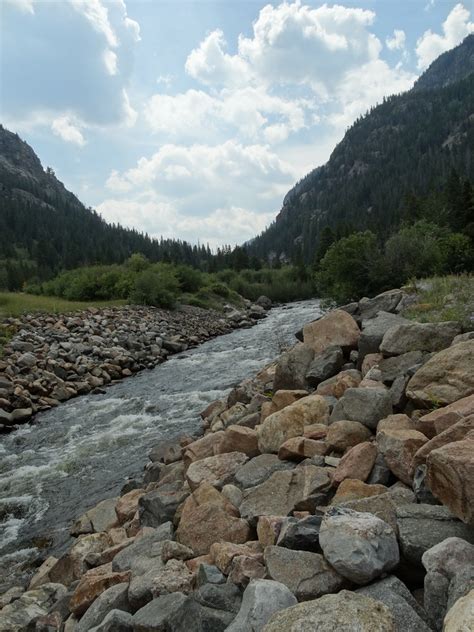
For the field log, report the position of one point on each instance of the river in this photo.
(73, 456)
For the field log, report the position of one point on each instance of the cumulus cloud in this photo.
(68, 130)
(397, 41)
(455, 28)
(87, 79)
(25, 6)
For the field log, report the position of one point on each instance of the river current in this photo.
(82, 452)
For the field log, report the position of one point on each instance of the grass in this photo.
(18, 303)
(444, 298)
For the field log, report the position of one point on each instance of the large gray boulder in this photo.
(373, 331)
(292, 367)
(385, 302)
(359, 546)
(260, 468)
(301, 535)
(366, 405)
(422, 526)
(419, 337)
(303, 489)
(114, 598)
(159, 506)
(158, 615)
(401, 365)
(142, 547)
(307, 575)
(333, 613)
(408, 614)
(324, 365)
(115, 621)
(261, 599)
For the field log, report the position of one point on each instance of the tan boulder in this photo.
(243, 569)
(238, 439)
(346, 434)
(354, 489)
(207, 494)
(92, 584)
(299, 448)
(396, 422)
(72, 565)
(336, 386)
(460, 617)
(216, 470)
(356, 463)
(336, 328)
(442, 418)
(202, 448)
(450, 476)
(457, 432)
(283, 398)
(42, 574)
(291, 421)
(202, 526)
(127, 505)
(268, 529)
(398, 448)
(222, 553)
(175, 576)
(369, 361)
(315, 431)
(445, 378)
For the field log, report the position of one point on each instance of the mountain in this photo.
(409, 144)
(44, 227)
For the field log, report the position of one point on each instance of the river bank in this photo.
(334, 487)
(52, 358)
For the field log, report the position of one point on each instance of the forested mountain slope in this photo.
(407, 145)
(44, 228)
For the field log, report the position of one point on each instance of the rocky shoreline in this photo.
(52, 358)
(333, 491)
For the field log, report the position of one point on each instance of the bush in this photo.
(158, 287)
(190, 279)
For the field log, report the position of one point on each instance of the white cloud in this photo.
(68, 131)
(110, 61)
(25, 6)
(455, 28)
(397, 41)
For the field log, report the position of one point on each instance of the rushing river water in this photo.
(73, 456)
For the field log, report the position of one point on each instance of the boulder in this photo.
(335, 328)
(460, 618)
(408, 614)
(330, 613)
(299, 448)
(386, 302)
(142, 547)
(115, 597)
(300, 534)
(336, 386)
(202, 448)
(93, 583)
(450, 477)
(456, 432)
(373, 331)
(307, 575)
(404, 364)
(418, 337)
(158, 615)
(127, 505)
(159, 506)
(172, 550)
(175, 576)
(292, 367)
(366, 405)
(324, 365)
(115, 621)
(345, 434)
(356, 463)
(262, 598)
(268, 529)
(259, 469)
(223, 553)
(209, 574)
(300, 489)
(421, 526)
(206, 524)
(239, 439)
(22, 613)
(354, 489)
(442, 418)
(244, 569)
(445, 378)
(216, 470)
(358, 545)
(290, 422)
(398, 447)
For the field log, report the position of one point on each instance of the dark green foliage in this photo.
(158, 286)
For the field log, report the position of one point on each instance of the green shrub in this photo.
(158, 287)
(189, 278)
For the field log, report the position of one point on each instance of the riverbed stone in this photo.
(460, 618)
(398, 447)
(203, 447)
(290, 422)
(300, 489)
(259, 469)
(441, 419)
(456, 432)
(143, 547)
(359, 546)
(159, 506)
(216, 470)
(300, 448)
(324, 365)
(357, 463)
(415, 336)
(92, 584)
(291, 368)
(373, 331)
(22, 613)
(445, 378)
(115, 597)
(238, 439)
(307, 575)
(450, 477)
(336, 386)
(386, 301)
(366, 405)
(344, 611)
(261, 599)
(335, 328)
(115, 621)
(157, 615)
(300, 534)
(345, 434)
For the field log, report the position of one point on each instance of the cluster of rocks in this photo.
(52, 358)
(334, 491)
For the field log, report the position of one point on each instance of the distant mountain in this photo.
(44, 227)
(409, 144)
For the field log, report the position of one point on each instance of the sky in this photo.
(192, 118)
